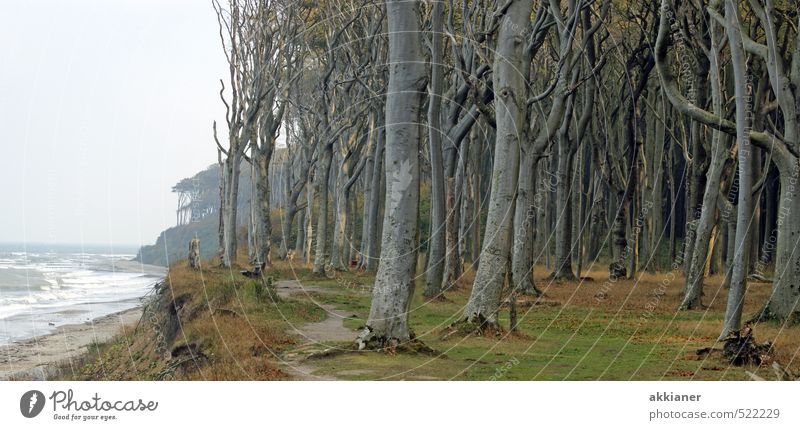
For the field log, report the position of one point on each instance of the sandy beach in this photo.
(36, 358)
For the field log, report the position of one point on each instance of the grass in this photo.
(627, 330)
(227, 332)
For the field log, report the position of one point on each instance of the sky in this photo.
(104, 105)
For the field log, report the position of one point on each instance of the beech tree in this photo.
(394, 283)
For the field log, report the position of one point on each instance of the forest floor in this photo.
(585, 330)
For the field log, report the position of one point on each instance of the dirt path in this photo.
(315, 337)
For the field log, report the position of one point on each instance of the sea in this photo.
(43, 287)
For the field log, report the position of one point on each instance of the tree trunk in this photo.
(394, 283)
(563, 230)
(321, 178)
(510, 101)
(309, 225)
(694, 279)
(693, 293)
(263, 241)
(733, 311)
(338, 253)
(436, 239)
(372, 251)
(784, 301)
(522, 261)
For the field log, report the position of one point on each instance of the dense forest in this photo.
(422, 140)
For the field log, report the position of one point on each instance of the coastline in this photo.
(39, 357)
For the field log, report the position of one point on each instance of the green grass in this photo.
(553, 343)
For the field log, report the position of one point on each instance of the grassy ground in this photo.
(581, 331)
(229, 330)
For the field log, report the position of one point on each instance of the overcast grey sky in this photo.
(104, 105)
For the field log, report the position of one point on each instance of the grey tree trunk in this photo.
(321, 178)
(394, 284)
(340, 216)
(694, 280)
(300, 240)
(263, 242)
(229, 213)
(372, 251)
(309, 224)
(733, 310)
(657, 230)
(436, 244)
(522, 263)
(563, 229)
(693, 293)
(784, 301)
(511, 100)
(369, 192)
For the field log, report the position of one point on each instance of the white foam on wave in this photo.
(46, 284)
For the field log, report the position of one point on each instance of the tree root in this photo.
(477, 325)
(369, 341)
(740, 349)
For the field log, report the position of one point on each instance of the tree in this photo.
(511, 93)
(394, 284)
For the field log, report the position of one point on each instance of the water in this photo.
(43, 287)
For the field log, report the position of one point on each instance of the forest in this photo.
(501, 157)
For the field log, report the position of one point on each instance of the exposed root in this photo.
(740, 349)
(368, 340)
(477, 325)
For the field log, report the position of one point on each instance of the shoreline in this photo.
(37, 358)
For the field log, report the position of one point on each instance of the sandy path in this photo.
(315, 337)
(34, 359)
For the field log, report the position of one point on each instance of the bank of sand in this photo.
(38, 357)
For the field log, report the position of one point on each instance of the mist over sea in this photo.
(46, 286)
